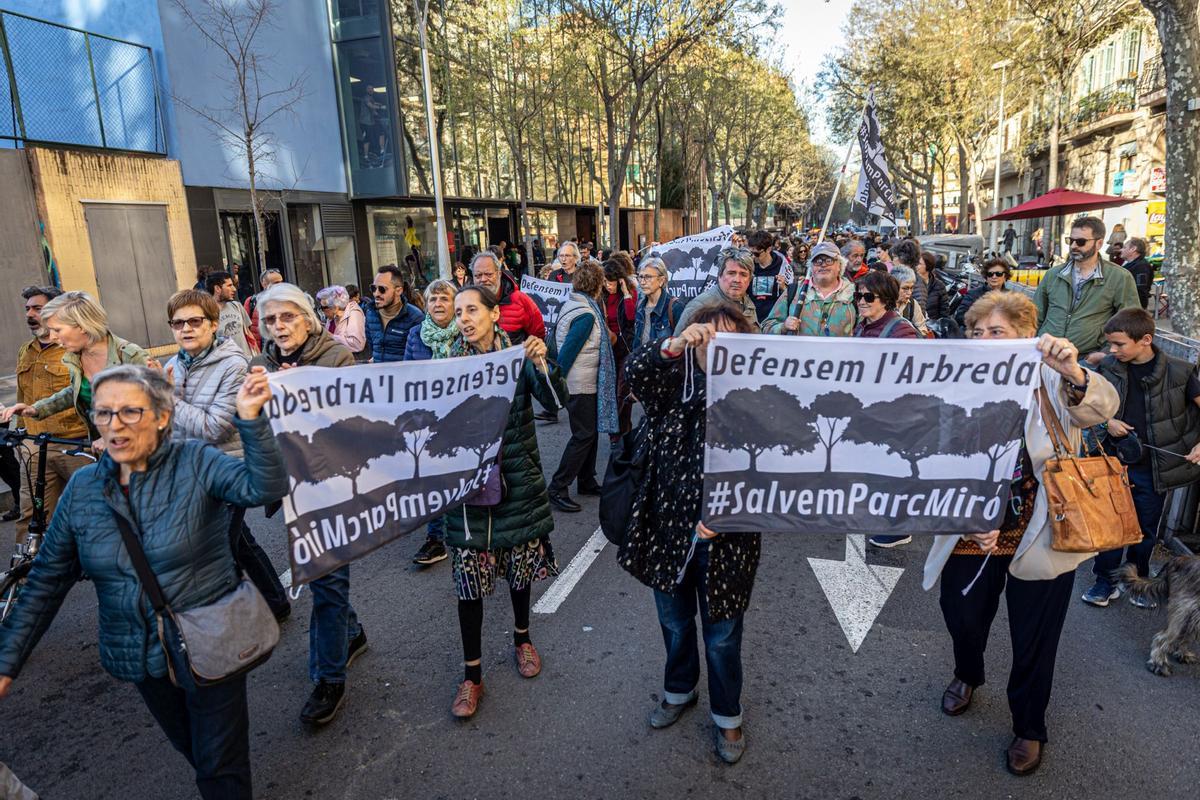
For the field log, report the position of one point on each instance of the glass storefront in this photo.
(319, 260)
(405, 237)
(240, 247)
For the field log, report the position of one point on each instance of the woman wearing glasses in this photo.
(876, 295)
(175, 492)
(207, 374)
(293, 337)
(80, 325)
(996, 274)
(349, 323)
(657, 311)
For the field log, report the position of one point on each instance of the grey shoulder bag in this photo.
(212, 643)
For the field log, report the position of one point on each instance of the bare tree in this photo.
(253, 100)
(1178, 23)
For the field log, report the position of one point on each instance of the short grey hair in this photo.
(286, 293)
(573, 246)
(486, 254)
(739, 255)
(903, 273)
(151, 381)
(657, 264)
(334, 295)
(851, 245)
(440, 286)
(266, 273)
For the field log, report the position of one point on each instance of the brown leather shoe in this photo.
(957, 698)
(1024, 756)
(529, 663)
(466, 702)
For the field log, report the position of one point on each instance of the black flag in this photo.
(874, 181)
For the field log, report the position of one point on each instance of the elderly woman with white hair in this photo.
(907, 306)
(657, 311)
(80, 325)
(293, 337)
(349, 322)
(820, 305)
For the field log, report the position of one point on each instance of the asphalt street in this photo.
(821, 721)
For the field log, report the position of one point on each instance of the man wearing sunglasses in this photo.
(389, 318)
(1075, 300)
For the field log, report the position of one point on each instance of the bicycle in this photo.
(12, 579)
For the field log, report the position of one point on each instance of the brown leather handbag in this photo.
(1090, 505)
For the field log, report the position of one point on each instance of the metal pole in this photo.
(836, 190)
(435, 159)
(999, 155)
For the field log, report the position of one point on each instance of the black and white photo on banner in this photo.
(863, 435)
(376, 450)
(692, 260)
(551, 297)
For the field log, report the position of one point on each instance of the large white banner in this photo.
(692, 260)
(863, 435)
(551, 297)
(376, 450)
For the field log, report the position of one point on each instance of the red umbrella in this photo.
(1060, 202)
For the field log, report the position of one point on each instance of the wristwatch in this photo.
(1076, 387)
(664, 349)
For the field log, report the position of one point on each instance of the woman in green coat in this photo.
(516, 544)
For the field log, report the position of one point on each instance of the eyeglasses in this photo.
(864, 297)
(648, 276)
(822, 260)
(286, 317)
(130, 415)
(325, 306)
(191, 322)
(1080, 242)
(755, 253)
(997, 274)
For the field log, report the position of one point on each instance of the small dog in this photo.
(1179, 583)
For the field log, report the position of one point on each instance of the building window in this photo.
(405, 237)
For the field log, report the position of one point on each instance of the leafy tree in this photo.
(912, 426)
(473, 424)
(757, 420)
(414, 428)
(833, 412)
(984, 435)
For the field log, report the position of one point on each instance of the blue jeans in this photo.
(332, 625)
(210, 726)
(436, 529)
(1149, 506)
(722, 646)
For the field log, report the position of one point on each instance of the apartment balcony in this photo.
(1152, 84)
(1107, 108)
(61, 85)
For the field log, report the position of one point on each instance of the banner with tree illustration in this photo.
(692, 260)
(863, 435)
(376, 450)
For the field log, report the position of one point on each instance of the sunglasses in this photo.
(286, 317)
(1080, 242)
(997, 274)
(191, 322)
(377, 288)
(864, 297)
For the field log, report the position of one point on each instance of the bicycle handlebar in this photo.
(10, 438)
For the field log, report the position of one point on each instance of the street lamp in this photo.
(421, 7)
(1003, 67)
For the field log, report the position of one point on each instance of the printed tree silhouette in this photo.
(347, 445)
(303, 463)
(474, 424)
(757, 420)
(414, 428)
(833, 411)
(913, 426)
(994, 430)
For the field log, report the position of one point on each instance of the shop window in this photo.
(405, 237)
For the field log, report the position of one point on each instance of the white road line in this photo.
(285, 578)
(549, 602)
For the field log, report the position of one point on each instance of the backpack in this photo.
(886, 333)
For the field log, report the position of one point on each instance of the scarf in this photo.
(186, 360)
(459, 346)
(437, 338)
(606, 379)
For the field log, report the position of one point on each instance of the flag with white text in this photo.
(875, 192)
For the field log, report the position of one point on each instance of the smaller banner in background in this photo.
(692, 260)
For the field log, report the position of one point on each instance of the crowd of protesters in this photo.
(182, 450)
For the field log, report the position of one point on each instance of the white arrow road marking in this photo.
(855, 589)
(285, 578)
(549, 602)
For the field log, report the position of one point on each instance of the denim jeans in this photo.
(254, 562)
(1149, 506)
(722, 646)
(332, 625)
(436, 529)
(210, 726)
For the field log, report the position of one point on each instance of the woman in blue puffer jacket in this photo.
(175, 494)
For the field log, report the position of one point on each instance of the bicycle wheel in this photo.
(10, 587)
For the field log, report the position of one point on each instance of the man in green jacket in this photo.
(1074, 301)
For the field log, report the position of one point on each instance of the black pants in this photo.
(579, 456)
(1036, 612)
(211, 727)
(253, 561)
(10, 473)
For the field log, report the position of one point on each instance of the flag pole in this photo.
(837, 189)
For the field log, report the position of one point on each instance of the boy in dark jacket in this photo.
(1160, 403)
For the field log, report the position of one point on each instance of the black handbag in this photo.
(626, 469)
(209, 644)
